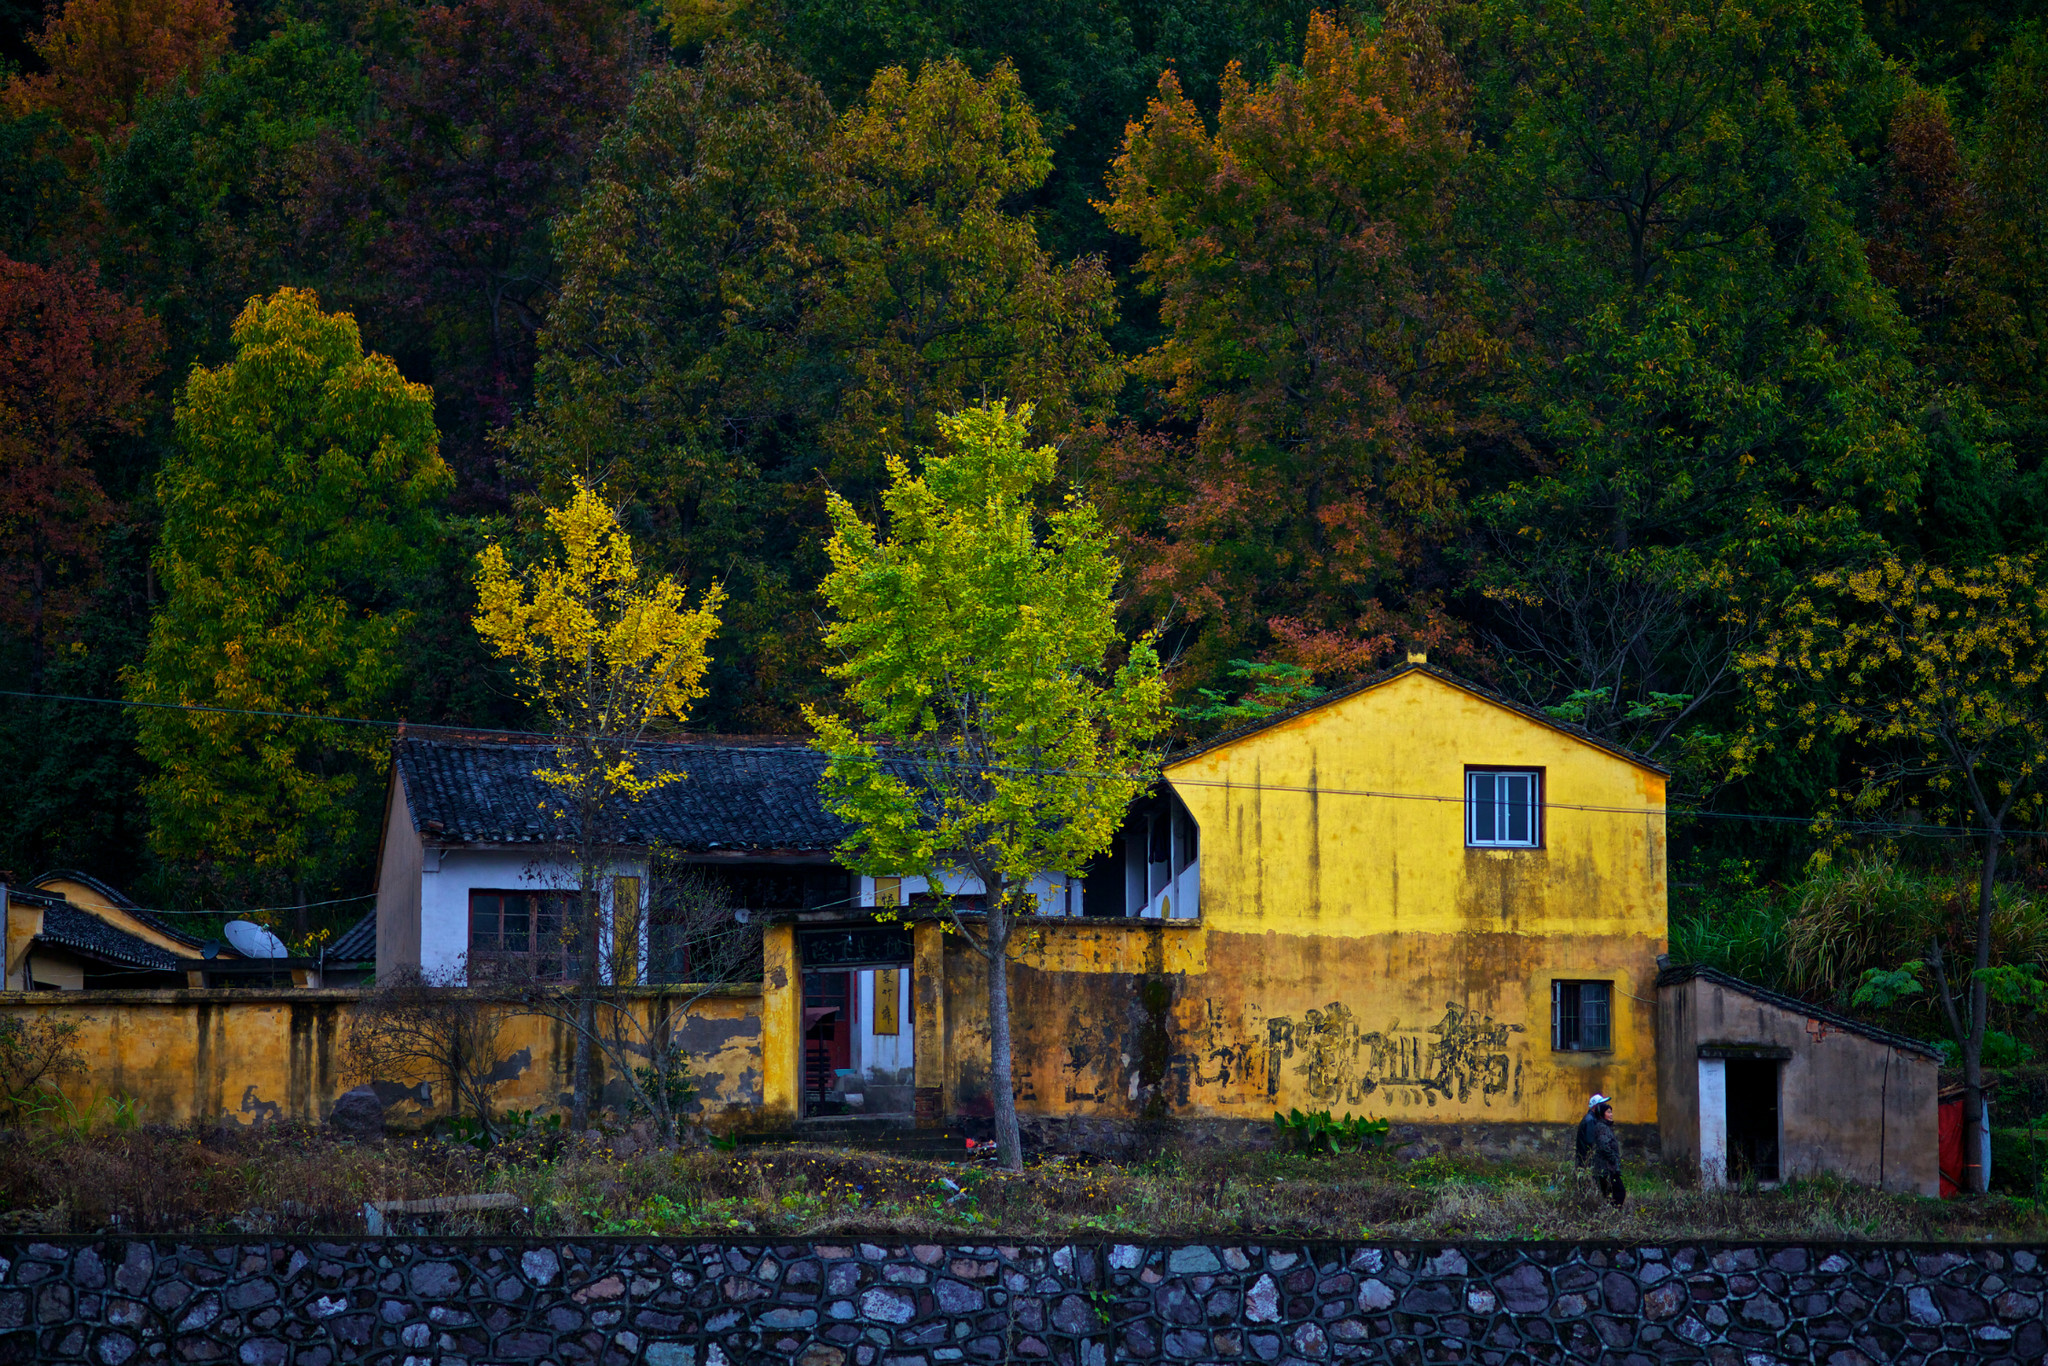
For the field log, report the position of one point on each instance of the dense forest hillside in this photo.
(1596, 347)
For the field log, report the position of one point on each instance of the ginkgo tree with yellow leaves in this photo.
(1938, 679)
(603, 648)
(988, 734)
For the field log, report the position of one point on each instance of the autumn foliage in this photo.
(106, 57)
(1569, 342)
(1318, 344)
(76, 366)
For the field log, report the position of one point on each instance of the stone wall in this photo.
(306, 1302)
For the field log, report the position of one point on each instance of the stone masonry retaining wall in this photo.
(466, 1302)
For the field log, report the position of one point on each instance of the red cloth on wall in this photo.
(1950, 1128)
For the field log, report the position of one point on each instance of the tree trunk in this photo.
(1002, 1085)
(586, 1011)
(1974, 1119)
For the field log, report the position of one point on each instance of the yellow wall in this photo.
(782, 1029)
(90, 899)
(1352, 955)
(1361, 958)
(257, 1056)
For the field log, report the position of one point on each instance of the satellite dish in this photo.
(251, 940)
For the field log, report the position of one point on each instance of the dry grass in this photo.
(155, 1180)
(284, 1180)
(1869, 912)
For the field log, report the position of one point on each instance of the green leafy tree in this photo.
(1959, 235)
(1085, 65)
(1710, 392)
(675, 371)
(1268, 689)
(200, 198)
(301, 493)
(1939, 680)
(988, 735)
(760, 296)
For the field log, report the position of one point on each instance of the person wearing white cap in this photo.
(1597, 1141)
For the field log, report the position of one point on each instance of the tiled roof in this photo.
(86, 933)
(358, 943)
(1541, 718)
(754, 796)
(116, 896)
(1688, 971)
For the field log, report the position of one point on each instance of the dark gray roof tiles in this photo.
(756, 796)
(86, 933)
(357, 944)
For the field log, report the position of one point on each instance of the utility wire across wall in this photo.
(1915, 830)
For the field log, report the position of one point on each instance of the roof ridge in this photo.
(1686, 972)
(121, 901)
(756, 796)
(502, 740)
(1385, 676)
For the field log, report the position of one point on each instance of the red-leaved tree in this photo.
(484, 134)
(76, 364)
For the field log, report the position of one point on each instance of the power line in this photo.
(1668, 812)
(255, 910)
(245, 711)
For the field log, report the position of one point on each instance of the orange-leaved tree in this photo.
(1317, 341)
(105, 57)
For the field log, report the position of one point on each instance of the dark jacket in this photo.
(1585, 1142)
(1606, 1147)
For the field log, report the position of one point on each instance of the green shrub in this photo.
(1318, 1132)
(2019, 1162)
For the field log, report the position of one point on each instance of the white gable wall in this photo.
(448, 876)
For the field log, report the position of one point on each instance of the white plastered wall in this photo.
(1056, 893)
(448, 876)
(883, 1057)
(1713, 1123)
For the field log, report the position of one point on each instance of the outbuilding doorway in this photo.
(1753, 1119)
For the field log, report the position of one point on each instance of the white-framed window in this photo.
(1503, 808)
(1581, 1017)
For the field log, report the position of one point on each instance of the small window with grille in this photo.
(1503, 808)
(1581, 1017)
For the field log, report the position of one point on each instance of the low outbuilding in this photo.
(1755, 1085)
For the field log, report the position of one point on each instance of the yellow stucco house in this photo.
(1411, 899)
(1427, 902)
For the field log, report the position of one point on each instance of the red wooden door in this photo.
(829, 1003)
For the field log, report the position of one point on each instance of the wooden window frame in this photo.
(532, 954)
